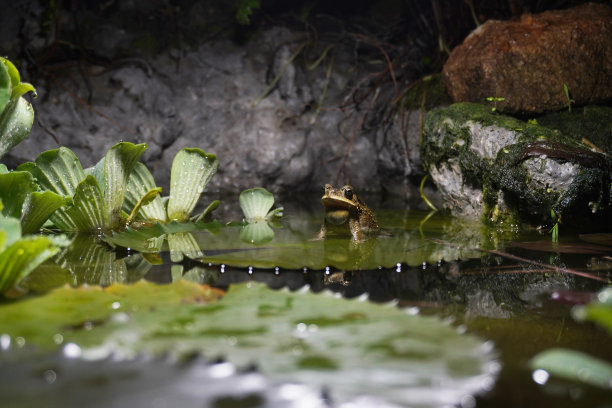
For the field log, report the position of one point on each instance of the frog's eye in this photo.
(348, 193)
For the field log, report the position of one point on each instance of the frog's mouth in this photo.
(337, 203)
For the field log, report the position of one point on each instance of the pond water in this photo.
(511, 291)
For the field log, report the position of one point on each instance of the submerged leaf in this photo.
(191, 171)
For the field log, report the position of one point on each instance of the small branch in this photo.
(520, 259)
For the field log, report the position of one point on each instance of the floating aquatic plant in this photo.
(19, 254)
(191, 171)
(16, 114)
(96, 194)
(256, 204)
(21, 200)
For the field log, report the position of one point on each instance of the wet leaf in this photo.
(118, 164)
(191, 171)
(255, 204)
(88, 211)
(39, 207)
(598, 310)
(15, 187)
(15, 123)
(575, 366)
(5, 86)
(351, 348)
(140, 182)
(21, 257)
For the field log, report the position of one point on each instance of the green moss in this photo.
(593, 123)
(448, 135)
(428, 92)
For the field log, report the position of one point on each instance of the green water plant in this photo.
(256, 204)
(569, 99)
(494, 99)
(16, 114)
(96, 195)
(20, 254)
(18, 192)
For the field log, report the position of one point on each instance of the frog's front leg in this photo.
(322, 233)
(356, 230)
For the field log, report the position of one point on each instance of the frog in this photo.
(344, 210)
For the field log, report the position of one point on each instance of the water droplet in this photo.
(115, 305)
(222, 370)
(20, 341)
(222, 269)
(72, 350)
(50, 376)
(540, 376)
(58, 338)
(250, 270)
(5, 342)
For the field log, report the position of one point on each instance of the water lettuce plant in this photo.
(16, 114)
(256, 204)
(20, 254)
(96, 194)
(119, 190)
(22, 201)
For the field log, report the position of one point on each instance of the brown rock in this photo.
(527, 61)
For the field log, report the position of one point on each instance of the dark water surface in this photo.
(500, 285)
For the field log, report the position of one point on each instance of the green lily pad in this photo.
(354, 349)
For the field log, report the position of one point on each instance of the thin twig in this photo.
(354, 133)
(520, 259)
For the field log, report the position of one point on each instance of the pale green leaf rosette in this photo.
(256, 204)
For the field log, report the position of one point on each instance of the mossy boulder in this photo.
(502, 169)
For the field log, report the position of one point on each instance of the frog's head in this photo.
(339, 198)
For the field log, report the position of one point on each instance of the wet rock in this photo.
(205, 98)
(527, 61)
(501, 169)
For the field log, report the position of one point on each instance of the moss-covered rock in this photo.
(502, 169)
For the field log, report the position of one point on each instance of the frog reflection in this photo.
(344, 210)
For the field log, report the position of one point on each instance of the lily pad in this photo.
(355, 349)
